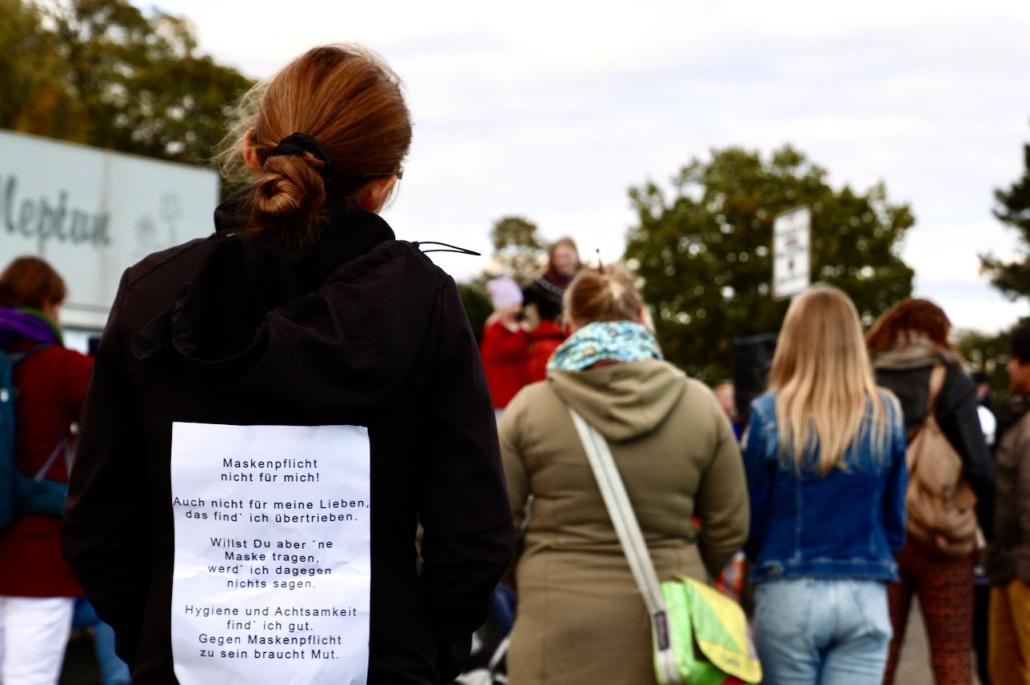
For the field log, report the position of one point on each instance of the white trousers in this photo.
(33, 635)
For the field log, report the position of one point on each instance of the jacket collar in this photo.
(913, 351)
(26, 325)
(218, 317)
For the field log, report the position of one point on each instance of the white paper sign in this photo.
(272, 554)
(791, 252)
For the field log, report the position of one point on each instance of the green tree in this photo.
(102, 73)
(30, 70)
(988, 353)
(477, 305)
(1012, 207)
(518, 250)
(704, 251)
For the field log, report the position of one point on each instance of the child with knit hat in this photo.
(505, 345)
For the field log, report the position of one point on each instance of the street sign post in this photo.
(791, 252)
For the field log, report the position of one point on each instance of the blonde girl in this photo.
(825, 463)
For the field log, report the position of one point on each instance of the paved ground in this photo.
(80, 668)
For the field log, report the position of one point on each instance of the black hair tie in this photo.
(298, 144)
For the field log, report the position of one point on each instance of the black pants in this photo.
(981, 604)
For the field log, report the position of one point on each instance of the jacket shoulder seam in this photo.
(139, 271)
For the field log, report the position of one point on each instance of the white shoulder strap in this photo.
(632, 539)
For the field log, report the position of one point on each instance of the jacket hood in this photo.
(24, 325)
(622, 401)
(348, 311)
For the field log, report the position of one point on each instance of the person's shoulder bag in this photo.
(700, 636)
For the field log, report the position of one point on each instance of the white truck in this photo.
(92, 213)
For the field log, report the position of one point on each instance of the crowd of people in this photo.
(860, 479)
(833, 584)
(525, 326)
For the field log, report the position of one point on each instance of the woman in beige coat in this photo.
(580, 616)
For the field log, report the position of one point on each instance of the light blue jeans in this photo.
(822, 632)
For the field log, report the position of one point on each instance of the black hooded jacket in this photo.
(357, 329)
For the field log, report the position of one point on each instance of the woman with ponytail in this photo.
(305, 319)
(907, 344)
(581, 618)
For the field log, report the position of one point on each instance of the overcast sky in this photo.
(552, 110)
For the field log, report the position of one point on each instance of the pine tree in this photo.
(1012, 207)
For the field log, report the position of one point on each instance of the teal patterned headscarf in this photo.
(619, 341)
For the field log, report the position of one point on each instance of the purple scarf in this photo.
(18, 325)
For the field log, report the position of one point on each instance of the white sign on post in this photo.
(791, 252)
(272, 572)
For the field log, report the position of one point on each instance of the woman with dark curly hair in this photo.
(909, 348)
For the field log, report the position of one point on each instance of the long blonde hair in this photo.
(824, 381)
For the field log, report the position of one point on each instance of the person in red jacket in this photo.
(544, 305)
(37, 588)
(505, 345)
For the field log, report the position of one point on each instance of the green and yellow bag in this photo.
(709, 634)
(700, 635)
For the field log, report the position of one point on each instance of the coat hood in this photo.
(26, 326)
(622, 401)
(346, 312)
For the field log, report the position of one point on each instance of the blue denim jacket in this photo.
(847, 524)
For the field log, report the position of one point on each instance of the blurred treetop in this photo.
(704, 252)
(518, 252)
(102, 73)
(1012, 207)
(518, 249)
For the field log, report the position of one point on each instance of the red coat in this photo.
(505, 354)
(51, 388)
(545, 339)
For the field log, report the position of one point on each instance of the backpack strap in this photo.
(18, 357)
(69, 457)
(937, 376)
(63, 447)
